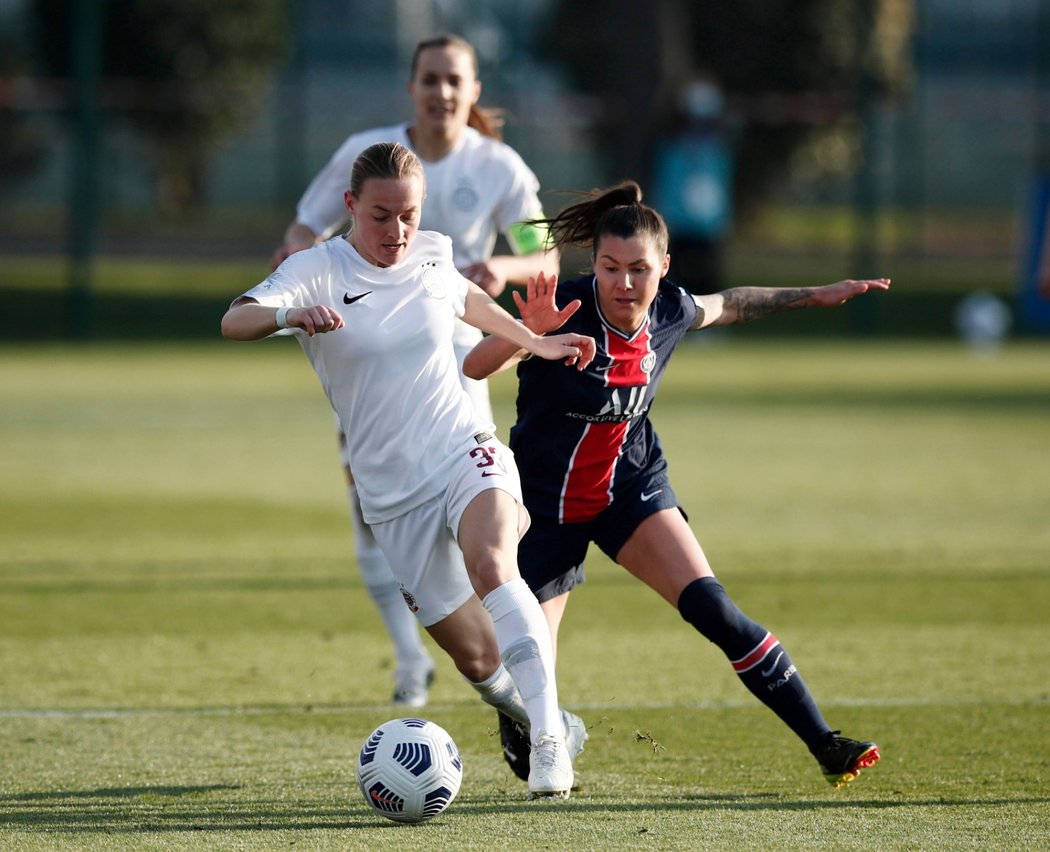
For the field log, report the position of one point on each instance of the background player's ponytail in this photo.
(488, 122)
(617, 211)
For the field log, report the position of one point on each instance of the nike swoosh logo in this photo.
(349, 300)
(647, 497)
(772, 668)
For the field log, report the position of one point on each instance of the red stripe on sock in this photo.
(756, 656)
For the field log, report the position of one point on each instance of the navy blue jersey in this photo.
(581, 437)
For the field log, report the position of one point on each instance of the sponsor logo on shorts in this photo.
(647, 497)
(409, 599)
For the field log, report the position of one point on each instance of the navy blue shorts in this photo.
(551, 555)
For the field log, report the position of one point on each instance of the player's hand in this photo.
(298, 238)
(486, 277)
(538, 310)
(314, 319)
(283, 252)
(279, 256)
(842, 291)
(576, 349)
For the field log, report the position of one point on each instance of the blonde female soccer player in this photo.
(375, 312)
(477, 188)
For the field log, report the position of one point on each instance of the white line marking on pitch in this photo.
(350, 709)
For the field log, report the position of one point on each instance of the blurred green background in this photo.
(153, 152)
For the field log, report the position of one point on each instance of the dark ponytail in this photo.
(617, 211)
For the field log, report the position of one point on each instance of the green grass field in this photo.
(189, 661)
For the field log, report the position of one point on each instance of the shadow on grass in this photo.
(115, 793)
(145, 810)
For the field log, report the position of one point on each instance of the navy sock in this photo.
(759, 660)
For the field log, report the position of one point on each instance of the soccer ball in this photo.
(409, 770)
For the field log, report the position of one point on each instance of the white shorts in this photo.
(421, 545)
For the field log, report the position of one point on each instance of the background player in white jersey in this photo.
(477, 187)
(592, 466)
(374, 312)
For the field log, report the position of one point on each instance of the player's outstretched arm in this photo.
(248, 320)
(746, 304)
(539, 313)
(482, 312)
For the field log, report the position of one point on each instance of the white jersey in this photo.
(479, 189)
(390, 373)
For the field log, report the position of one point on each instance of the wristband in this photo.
(282, 317)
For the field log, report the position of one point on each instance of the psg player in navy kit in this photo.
(592, 467)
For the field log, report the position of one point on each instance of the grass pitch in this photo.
(189, 661)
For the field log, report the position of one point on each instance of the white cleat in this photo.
(412, 687)
(575, 734)
(550, 772)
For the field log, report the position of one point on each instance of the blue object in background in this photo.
(692, 185)
(1033, 302)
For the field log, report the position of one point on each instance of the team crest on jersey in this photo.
(409, 599)
(465, 197)
(433, 280)
(648, 362)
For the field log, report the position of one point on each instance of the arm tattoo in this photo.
(744, 304)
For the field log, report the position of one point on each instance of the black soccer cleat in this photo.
(514, 737)
(841, 759)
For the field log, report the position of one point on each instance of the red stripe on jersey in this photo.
(757, 655)
(587, 488)
(628, 356)
(588, 483)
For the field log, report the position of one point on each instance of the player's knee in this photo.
(477, 664)
(490, 569)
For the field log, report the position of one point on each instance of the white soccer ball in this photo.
(409, 770)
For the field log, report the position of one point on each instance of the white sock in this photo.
(525, 645)
(385, 592)
(499, 690)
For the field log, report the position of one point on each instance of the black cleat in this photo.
(841, 759)
(514, 737)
